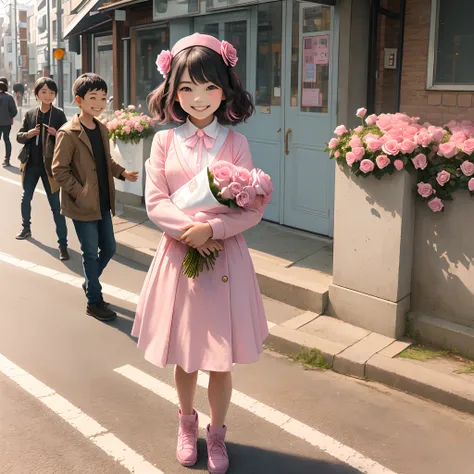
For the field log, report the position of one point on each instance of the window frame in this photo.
(432, 45)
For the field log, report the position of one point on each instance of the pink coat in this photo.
(217, 319)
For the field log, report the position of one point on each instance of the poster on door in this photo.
(315, 53)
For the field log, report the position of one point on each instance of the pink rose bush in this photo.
(442, 157)
(129, 125)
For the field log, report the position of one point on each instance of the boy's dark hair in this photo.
(86, 83)
(44, 81)
(4, 80)
(204, 65)
(3, 87)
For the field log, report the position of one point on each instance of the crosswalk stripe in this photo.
(285, 422)
(76, 418)
(18, 183)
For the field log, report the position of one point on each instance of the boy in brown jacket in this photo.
(84, 169)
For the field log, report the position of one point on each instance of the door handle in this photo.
(287, 150)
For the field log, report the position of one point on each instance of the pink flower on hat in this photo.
(163, 62)
(229, 54)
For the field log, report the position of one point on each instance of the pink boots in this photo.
(186, 451)
(218, 461)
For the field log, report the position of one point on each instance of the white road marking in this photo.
(76, 418)
(18, 183)
(72, 280)
(285, 422)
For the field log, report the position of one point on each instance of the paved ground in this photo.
(77, 396)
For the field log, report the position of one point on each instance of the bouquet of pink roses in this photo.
(230, 186)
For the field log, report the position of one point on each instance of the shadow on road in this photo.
(13, 170)
(253, 460)
(74, 264)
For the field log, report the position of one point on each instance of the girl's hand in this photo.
(196, 234)
(130, 175)
(34, 131)
(52, 131)
(209, 247)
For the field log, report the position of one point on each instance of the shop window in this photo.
(149, 44)
(451, 45)
(104, 60)
(269, 37)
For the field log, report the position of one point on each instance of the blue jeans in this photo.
(98, 247)
(30, 180)
(5, 131)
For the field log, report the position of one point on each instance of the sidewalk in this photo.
(295, 268)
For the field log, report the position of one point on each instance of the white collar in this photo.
(212, 130)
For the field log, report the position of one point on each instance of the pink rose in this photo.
(246, 197)
(420, 162)
(361, 113)
(350, 158)
(423, 138)
(459, 138)
(448, 150)
(139, 127)
(367, 166)
(235, 188)
(358, 129)
(425, 189)
(470, 185)
(261, 182)
(127, 129)
(131, 107)
(223, 174)
(355, 142)
(333, 143)
(437, 133)
(468, 146)
(359, 152)
(467, 168)
(337, 154)
(382, 161)
(391, 147)
(229, 54)
(443, 177)
(436, 205)
(226, 193)
(399, 165)
(163, 62)
(371, 119)
(384, 122)
(374, 144)
(340, 130)
(242, 176)
(407, 147)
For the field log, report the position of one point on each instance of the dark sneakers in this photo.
(6, 163)
(63, 253)
(101, 312)
(24, 234)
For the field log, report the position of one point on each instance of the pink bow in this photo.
(202, 138)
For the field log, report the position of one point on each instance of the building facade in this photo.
(308, 65)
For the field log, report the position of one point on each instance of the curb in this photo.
(381, 366)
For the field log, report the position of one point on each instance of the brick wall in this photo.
(437, 107)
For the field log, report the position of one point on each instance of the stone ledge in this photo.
(441, 388)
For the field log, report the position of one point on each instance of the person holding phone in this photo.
(38, 135)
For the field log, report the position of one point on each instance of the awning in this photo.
(84, 20)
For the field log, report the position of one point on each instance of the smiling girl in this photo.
(38, 135)
(216, 320)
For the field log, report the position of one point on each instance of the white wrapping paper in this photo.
(196, 196)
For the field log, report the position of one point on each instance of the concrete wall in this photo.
(443, 261)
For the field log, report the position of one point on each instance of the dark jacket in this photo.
(8, 109)
(58, 119)
(74, 170)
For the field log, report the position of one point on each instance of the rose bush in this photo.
(442, 157)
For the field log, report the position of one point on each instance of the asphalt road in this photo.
(76, 395)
